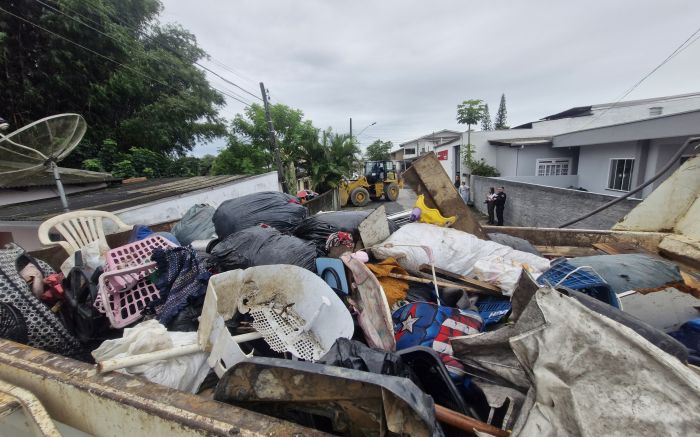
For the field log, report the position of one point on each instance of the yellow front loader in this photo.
(380, 179)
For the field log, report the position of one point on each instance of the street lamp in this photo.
(367, 127)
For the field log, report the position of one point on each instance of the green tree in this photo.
(205, 164)
(92, 165)
(379, 151)
(291, 130)
(486, 119)
(328, 159)
(154, 98)
(470, 112)
(238, 158)
(501, 121)
(123, 169)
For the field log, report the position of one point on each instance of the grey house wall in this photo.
(513, 161)
(594, 165)
(548, 207)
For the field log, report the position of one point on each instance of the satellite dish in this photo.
(39, 146)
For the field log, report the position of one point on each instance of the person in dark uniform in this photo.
(500, 204)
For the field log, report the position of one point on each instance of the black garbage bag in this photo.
(317, 228)
(259, 246)
(275, 209)
(355, 355)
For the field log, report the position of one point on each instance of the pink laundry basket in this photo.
(125, 288)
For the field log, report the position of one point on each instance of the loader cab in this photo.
(379, 171)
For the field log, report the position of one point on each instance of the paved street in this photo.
(406, 200)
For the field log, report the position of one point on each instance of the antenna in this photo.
(40, 146)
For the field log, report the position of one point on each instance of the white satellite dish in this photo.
(38, 146)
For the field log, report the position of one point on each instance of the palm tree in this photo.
(328, 159)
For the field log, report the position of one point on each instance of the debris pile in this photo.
(350, 324)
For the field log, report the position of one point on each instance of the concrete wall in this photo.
(550, 181)
(515, 161)
(594, 165)
(542, 206)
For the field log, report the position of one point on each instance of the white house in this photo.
(411, 150)
(607, 148)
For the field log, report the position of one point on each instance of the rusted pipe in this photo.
(466, 423)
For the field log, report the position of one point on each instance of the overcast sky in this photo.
(407, 64)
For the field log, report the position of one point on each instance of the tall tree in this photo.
(291, 129)
(148, 94)
(501, 121)
(486, 119)
(470, 112)
(379, 151)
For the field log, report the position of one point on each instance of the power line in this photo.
(150, 37)
(100, 54)
(684, 45)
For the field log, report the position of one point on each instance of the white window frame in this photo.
(550, 166)
(610, 170)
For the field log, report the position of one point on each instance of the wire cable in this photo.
(150, 37)
(684, 45)
(101, 55)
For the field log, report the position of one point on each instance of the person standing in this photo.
(457, 184)
(464, 192)
(491, 204)
(500, 202)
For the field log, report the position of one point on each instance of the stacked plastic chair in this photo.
(125, 287)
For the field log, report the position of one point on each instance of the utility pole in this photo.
(350, 128)
(273, 139)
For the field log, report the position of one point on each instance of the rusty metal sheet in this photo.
(115, 404)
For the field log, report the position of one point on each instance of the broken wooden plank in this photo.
(444, 284)
(565, 251)
(467, 281)
(620, 248)
(426, 176)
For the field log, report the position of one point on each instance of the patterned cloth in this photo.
(339, 239)
(426, 324)
(182, 278)
(44, 329)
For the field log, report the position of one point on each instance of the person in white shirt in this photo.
(464, 191)
(491, 205)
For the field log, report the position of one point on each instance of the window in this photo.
(656, 110)
(553, 167)
(620, 174)
(411, 151)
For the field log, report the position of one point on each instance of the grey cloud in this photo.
(407, 64)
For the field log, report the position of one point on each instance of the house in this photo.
(608, 148)
(425, 144)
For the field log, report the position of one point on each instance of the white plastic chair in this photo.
(79, 228)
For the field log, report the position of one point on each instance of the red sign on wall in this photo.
(442, 155)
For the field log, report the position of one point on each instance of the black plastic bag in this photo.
(259, 246)
(277, 210)
(317, 228)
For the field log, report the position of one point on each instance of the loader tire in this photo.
(359, 196)
(392, 192)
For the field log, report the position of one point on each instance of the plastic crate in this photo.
(135, 254)
(583, 279)
(125, 306)
(492, 310)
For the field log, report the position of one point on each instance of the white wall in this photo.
(161, 211)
